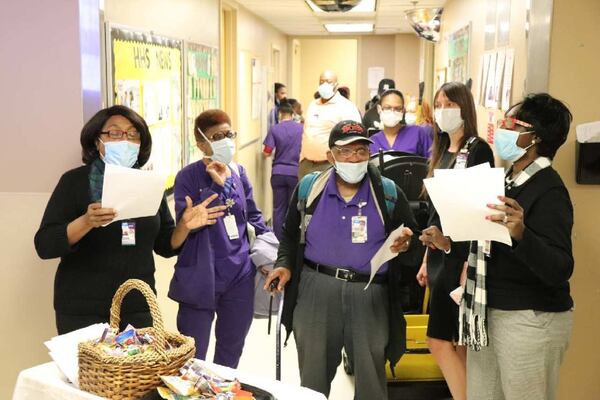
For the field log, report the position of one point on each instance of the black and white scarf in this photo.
(472, 322)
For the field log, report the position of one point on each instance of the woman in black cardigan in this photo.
(457, 145)
(96, 256)
(516, 315)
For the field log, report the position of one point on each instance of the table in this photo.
(46, 382)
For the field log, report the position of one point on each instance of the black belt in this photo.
(343, 274)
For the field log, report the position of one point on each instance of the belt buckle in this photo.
(346, 274)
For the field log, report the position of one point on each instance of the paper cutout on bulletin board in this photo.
(489, 100)
(202, 91)
(459, 43)
(145, 71)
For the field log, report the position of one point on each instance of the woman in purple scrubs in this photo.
(396, 135)
(214, 273)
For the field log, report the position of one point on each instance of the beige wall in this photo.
(573, 78)
(373, 51)
(319, 54)
(457, 14)
(192, 20)
(406, 72)
(41, 113)
(256, 39)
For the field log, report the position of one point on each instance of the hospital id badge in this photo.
(127, 233)
(359, 229)
(231, 227)
(461, 160)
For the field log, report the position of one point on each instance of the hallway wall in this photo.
(573, 78)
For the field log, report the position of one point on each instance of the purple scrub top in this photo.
(329, 235)
(286, 139)
(415, 139)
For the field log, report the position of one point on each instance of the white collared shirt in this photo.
(320, 118)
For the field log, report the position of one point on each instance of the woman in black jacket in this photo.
(96, 255)
(517, 310)
(456, 144)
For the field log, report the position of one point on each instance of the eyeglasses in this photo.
(510, 123)
(117, 134)
(390, 108)
(345, 152)
(222, 135)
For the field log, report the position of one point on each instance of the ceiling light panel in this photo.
(349, 28)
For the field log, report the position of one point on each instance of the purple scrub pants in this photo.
(283, 188)
(234, 309)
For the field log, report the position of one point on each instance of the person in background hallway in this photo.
(456, 144)
(214, 273)
(280, 94)
(424, 115)
(396, 135)
(326, 304)
(95, 255)
(285, 138)
(528, 314)
(297, 107)
(321, 116)
(371, 118)
(344, 91)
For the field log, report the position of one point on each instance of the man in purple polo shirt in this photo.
(286, 139)
(329, 241)
(396, 135)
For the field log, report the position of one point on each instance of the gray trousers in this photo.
(331, 314)
(522, 360)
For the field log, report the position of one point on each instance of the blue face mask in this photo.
(122, 152)
(505, 142)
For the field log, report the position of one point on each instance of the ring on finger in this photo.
(505, 220)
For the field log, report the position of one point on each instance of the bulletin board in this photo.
(202, 91)
(144, 72)
(459, 43)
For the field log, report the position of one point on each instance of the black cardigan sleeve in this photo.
(546, 244)
(51, 238)
(162, 244)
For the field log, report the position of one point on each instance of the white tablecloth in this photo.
(46, 382)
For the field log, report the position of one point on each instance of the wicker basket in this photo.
(131, 377)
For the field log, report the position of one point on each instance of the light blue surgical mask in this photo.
(505, 142)
(326, 90)
(223, 150)
(122, 152)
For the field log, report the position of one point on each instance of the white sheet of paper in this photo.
(461, 197)
(64, 349)
(384, 254)
(133, 193)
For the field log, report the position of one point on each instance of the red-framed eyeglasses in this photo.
(511, 123)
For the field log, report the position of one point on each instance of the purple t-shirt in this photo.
(415, 139)
(286, 138)
(329, 233)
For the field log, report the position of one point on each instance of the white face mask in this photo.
(351, 172)
(390, 118)
(326, 90)
(448, 119)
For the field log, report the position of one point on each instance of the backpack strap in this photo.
(390, 194)
(304, 189)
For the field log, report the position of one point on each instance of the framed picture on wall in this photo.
(440, 77)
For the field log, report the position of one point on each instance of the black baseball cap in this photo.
(346, 132)
(386, 84)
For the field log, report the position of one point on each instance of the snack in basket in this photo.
(199, 382)
(130, 342)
